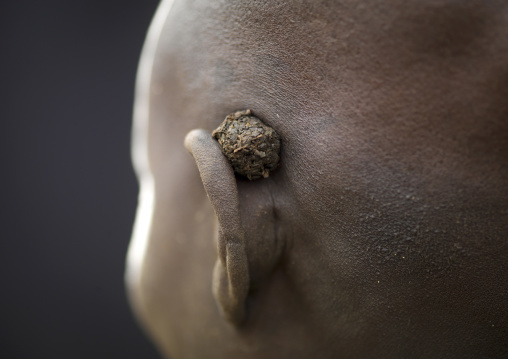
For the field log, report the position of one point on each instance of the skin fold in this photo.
(383, 234)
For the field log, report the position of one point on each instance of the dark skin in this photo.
(383, 234)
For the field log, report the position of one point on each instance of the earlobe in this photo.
(248, 244)
(231, 278)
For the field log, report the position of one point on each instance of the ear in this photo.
(243, 259)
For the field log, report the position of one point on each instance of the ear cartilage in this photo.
(251, 147)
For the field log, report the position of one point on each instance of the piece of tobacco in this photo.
(251, 147)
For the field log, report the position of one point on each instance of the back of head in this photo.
(383, 233)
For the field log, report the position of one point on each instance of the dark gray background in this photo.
(68, 192)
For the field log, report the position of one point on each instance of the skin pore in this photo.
(384, 231)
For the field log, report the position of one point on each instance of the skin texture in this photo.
(383, 234)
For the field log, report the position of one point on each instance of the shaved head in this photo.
(384, 231)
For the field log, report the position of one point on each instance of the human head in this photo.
(384, 231)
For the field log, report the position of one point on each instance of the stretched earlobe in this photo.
(231, 278)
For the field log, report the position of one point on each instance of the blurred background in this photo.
(68, 191)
